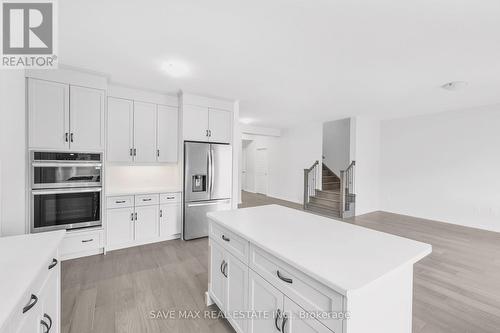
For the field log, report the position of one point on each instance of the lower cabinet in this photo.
(146, 223)
(141, 219)
(229, 286)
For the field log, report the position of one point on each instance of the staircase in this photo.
(334, 199)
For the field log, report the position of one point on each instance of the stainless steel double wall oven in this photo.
(65, 190)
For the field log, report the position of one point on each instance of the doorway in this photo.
(261, 171)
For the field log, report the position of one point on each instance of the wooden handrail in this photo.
(312, 167)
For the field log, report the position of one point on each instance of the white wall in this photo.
(336, 144)
(367, 171)
(12, 153)
(444, 167)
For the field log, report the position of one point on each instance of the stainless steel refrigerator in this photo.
(207, 185)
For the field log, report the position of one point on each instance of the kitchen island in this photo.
(276, 269)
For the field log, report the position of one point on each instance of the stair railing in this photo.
(311, 176)
(347, 196)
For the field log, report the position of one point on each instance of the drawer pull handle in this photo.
(148, 199)
(285, 319)
(225, 238)
(45, 325)
(49, 319)
(32, 302)
(278, 316)
(287, 280)
(161, 212)
(87, 240)
(170, 198)
(120, 201)
(131, 216)
(53, 264)
(225, 269)
(222, 266)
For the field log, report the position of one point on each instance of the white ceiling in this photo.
(292, 60)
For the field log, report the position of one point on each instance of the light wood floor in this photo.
(456, 288)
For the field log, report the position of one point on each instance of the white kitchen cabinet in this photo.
(146, 223)
(217, 275)
(120, 125)
(86, 118)
(266, 298)
(195, 123)
(294, 321)
(236, 299)
(206, 124)
(144, 132)
(167, 131)
(48, 114)
(50, 305)
(219, 125)
(120, 226)
(170, 220)
(31, 322)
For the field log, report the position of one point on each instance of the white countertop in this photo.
(340, 255)
(21, 259)
(118, 192)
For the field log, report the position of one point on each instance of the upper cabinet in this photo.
(65, 117)
(206, 124)
(167, 131)
(141, 132)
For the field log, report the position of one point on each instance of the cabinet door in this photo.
(294, 323)
(147, 223)
(167, 129)
(86, 118)
(217, 277)
(120, 126)
(195, 123)
(219, 124)
(170, 220)
(50, 298)
(48, 105)
(119, 226)
(264, 297)
(144, 132)
(236, 291)
(31, 321)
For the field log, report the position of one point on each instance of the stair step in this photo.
(327, 203)
(323, 211)
(328, 194)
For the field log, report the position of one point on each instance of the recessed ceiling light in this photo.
(246, 121)
(455, 85)
(176, 68)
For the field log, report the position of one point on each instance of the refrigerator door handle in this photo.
(209, 164)
(212, 168)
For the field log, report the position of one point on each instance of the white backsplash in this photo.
(122, 179)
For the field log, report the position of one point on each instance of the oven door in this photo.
(64, 174)
(65, 208)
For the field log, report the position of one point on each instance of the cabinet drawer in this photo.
(81, 242)
(147, 199)
(120, 202)
(173, 197)
(305, 291)
(230, 241)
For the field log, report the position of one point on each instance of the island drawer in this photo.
(120, 201)
(147, 199)
(78, 242)
(230, 241)
(306, 292)
(173, 197)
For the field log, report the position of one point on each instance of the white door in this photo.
(50, 298)
(170, 220)
(217, 276)
(86, 118)
(167, 130)
(261, 170)
(144, 132)
(120, 226)
(293, 323)
(48, 105)
(120, 126)
(147, 223)
(266, 298)
(236, 291)
(219, 125)
(195, 123)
